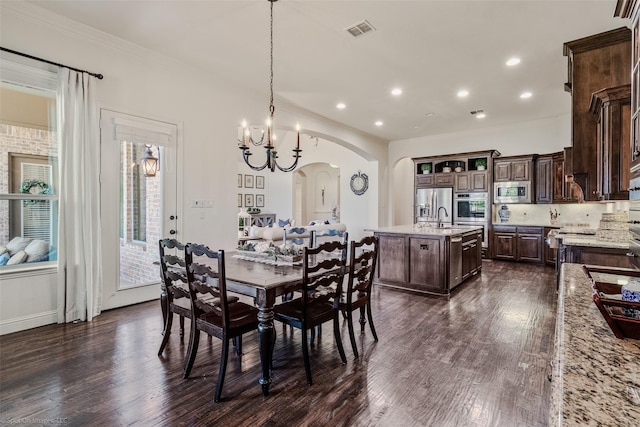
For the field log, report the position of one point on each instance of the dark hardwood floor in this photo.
(480, 358)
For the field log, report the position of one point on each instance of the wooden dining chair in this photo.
(323, 272)
(175, 290)
(212, 309)
(362, 265)
(322, 236)
(328, 235)
(295, 235)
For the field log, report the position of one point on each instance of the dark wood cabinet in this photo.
(595, 62)
(544, 179)
(530, 247)
(550, 183)
(504, 242)
(471, 254)
(389, 269)
(432, 263)
(425, 264)
(515, 168)
(474, 171)
(612, 110)
(609, 257)
(474, 181)
(518, 243)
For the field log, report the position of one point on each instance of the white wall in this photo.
(207, 108)
(534, 137)
(356, 212)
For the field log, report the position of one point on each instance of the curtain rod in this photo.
(98, 76)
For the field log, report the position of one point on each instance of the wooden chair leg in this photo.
(237, 343)
(223, 368)
(338, 337)
(181, 326)
(373, 329)
(352, 334)
(194, 340)
(165, 334)
(362, 320)
(305, 355)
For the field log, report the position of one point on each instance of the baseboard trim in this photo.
(27, 322)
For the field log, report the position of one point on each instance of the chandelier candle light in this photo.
(247, 138)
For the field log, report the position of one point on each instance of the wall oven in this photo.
(471, 207)
(512, 192)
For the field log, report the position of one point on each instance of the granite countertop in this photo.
(527, 224)
(596, 376)
(427, 230)
(586, 240)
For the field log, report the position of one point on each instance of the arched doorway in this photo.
(316, 193)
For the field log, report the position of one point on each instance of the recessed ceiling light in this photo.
(379, 123)
(513, 61)
(429, 113)
(481, 115)
(341, 106)
(396, 91)
(525, 95)
(462, 93)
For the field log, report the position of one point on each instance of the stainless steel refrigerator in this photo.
(430, 200)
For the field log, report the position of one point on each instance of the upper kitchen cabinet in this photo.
(595, 62)
(611, 108)
(514, 168)
(631, 9)
(465, 172)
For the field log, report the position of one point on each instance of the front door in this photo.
(137, 210)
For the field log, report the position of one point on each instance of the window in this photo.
(28, 166)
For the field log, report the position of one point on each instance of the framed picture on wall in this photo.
(259, 181)
(239, 200)
(259, 200)
(248, 181)
(248, 200)
(239, 180)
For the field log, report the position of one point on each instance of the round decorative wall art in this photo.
(359, 183)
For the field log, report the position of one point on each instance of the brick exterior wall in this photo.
(21, 140)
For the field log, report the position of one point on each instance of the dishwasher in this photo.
(455, 262)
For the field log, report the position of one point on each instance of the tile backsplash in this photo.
(584, 213)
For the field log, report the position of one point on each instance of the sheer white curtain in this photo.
(79, 267)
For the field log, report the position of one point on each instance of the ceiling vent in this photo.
(360, 28)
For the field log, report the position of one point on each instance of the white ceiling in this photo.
(430, 49)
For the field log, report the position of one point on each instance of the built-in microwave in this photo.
(512, 192)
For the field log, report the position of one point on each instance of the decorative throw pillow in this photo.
(4, 258)
(18, 244)
(283, 222)
(3, 250)
(36, 249)
(18, 258)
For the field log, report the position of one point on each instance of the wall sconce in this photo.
(150, 165)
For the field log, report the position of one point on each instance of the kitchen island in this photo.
(428, 259)
(596, 376)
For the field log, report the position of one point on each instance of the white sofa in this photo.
(276, 233)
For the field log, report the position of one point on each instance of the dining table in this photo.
(264, 283)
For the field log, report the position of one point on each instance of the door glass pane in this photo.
(140, 200)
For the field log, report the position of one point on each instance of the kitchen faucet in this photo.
(446, 215)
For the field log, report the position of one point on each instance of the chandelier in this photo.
(271, 161)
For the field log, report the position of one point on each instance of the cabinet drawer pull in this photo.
(424, 247)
